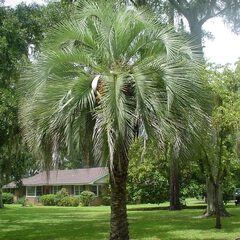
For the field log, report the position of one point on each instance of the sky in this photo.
(15, 2)
(225, 48)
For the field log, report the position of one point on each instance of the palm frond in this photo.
(148, 72)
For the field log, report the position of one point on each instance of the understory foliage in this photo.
(86, 198)
(7, 198)
(147, 177)
(62, 198)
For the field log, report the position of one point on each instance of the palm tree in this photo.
(114, 69)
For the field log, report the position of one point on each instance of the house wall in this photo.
(49, 190)
(18, 193)
(33, 200)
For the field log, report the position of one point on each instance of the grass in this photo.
(92, 223)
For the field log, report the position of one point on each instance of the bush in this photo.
(69, 201)
(7, 198)
(147, 177)
(146, 183)
(23, 201)
(193, 189)
(62, 193)
(86, 198)
(62, 198)
(49, 200)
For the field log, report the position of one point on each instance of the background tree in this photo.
(12, 49)
(219, 149)
(148, 175)
(21, 29)
(197, 13)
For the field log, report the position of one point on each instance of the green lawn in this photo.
(62, 223)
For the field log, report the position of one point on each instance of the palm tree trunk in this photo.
(175, 203)
(118, 180)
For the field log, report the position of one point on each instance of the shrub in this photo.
(193, 189)
(147, 177)
(49, 200)
(62, 193)
(7, 198)
(21, 200)
(146, 183)
(69, 201)
(86, 198)
(60, 199)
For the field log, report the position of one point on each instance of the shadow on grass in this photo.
(52, 223)
(165, 208)
(58, 223)
(182, 225)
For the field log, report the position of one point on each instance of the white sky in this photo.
(225, 48)
(15, 2)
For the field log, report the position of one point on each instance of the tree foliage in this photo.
(148, 176)
(20, 28)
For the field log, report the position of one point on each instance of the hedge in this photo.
(60, 199)
(7, 198)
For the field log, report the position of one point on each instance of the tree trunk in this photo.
(175, 203)
(1, 200)
(118, 180)
(217, 207)
(170, 14)
(196, 33)
(210, 211)
(211, 201)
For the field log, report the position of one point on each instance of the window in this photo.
(78, 189)
(94, 189)
(55, 189)
(39, 190)
(30, 191)
(100, 190)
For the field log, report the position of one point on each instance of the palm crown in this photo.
(104, 71)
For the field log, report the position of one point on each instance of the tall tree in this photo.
(196, 12)
(12, 49)
(20, 28)
(120, 67)
(221, 140)
(199, 12)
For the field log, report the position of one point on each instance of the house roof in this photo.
(83, 176)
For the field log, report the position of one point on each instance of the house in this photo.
(75, 181)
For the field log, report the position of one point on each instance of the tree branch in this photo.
(209, 14)
(224, 10)
(179, 7)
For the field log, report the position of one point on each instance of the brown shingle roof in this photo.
(81, 176)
